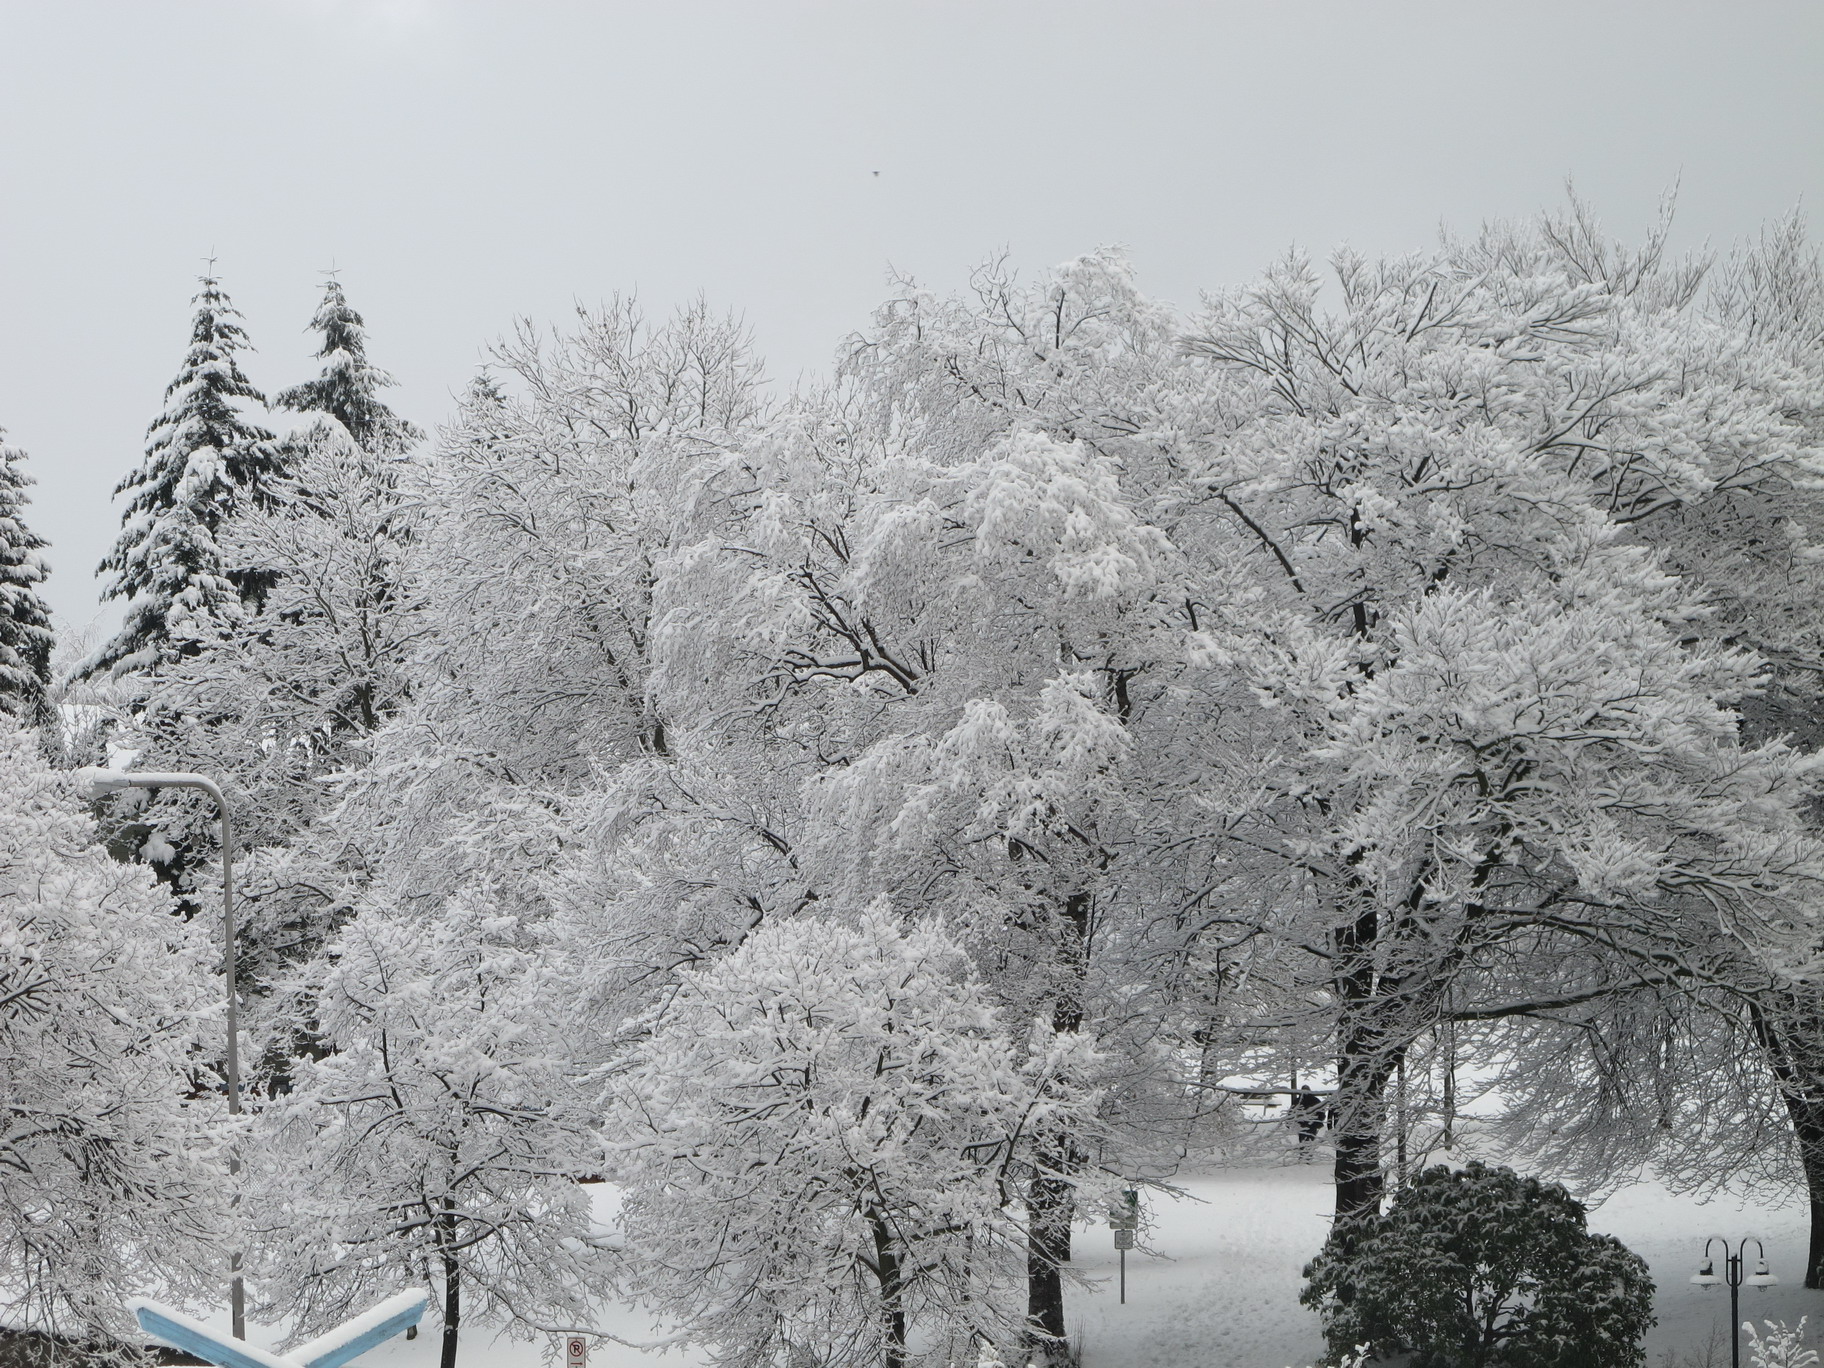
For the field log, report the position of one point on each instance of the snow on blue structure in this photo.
(357, 1336)
(347, 1341)
(192, 1336)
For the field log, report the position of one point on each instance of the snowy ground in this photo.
(1224, 1291)
(1218, 1287)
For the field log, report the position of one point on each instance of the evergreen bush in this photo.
(1481, 1267)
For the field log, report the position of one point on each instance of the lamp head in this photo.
(1761, 1277)
(96, 781)
(1705, 1275)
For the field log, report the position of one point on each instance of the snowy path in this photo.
(1222, 1291)
(1225, 1291)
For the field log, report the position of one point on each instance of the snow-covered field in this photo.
(1223, 1291)
(1218, 1285)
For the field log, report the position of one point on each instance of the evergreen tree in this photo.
(1480, 1267)
(346, 390)
(203, 458)
(25, 623)
(288, 698)
(283, 693)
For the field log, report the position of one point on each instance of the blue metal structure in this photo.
(347, 1341)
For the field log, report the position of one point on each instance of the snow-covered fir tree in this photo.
(109, 1177)
(204, 459)
(348, 388)
(25, 622)
(283, 694)
(288, 699)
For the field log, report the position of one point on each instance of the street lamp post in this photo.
(1732, 1275)
(100, 781)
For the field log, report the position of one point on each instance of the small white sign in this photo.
(576, 1351)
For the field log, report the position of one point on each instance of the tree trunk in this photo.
(1814, 1182)
(1786, 1027)
(1051, 1198)
(892, 1297)
(1450, 1084)
(1361, 1073)
(452, 1283)
(1363, 1066)
(1048, 1213)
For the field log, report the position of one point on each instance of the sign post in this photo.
(1124, 1220)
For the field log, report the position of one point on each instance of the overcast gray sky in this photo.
(465, 162)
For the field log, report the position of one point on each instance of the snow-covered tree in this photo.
(1482, 1268)
(555, 495)
(280, 697)
(203, 460)
(1782, 1346)
(348, 389)
(108, 1177)
(436, 1140)
(1768, 573)
(1022, 803)
(966, 527)
(528, 560)
(824, 1139)
(1353, 684)
(1722, 484)
(1497, 723)
(278, 707)
(25, 623)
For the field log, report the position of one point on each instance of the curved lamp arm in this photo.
(99, 781)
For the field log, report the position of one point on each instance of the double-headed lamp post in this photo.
(1732, 1275)
(100, 781)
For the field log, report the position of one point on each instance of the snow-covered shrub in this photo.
(822, 1140)
(1782, 1346)
(106, 1180)
(1480, 1267)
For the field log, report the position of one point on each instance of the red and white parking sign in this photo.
(576, 1351)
